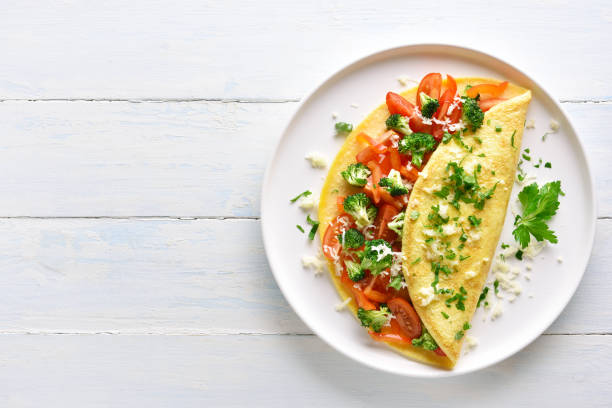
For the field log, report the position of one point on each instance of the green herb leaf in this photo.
(304, 194)
(300, 228)
(344, 127)
(539, 205)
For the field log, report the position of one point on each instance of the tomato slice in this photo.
(489, 89)
(487, 104)
(431, 85)
(376, 176)
(385, 214)
(364, 138)
(417, 125)
(397, 104)
(340, 203)
(362, 300)
(331, 245)
(406, 317)
(439, 352)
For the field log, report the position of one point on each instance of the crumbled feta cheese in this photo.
(426, 295)
(560, 259)
(554, 125)
(307, 203)
(317, 160)
(423, 174)
(534, 248)
(449, 229)
(317, 263)
(528, 266)
(405, 80)
(354, 105)
(335, 115)
(470, 342)
(470, 274)
(443, 210)
(341, 306)
(497, 311)
(530, 124)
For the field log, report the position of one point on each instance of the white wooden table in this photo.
(133, 139)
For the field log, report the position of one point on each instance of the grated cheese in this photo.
(317, 160)
(341, 306)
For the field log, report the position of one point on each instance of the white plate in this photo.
(364, 84)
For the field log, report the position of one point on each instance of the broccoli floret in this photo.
(472, 114)
(425, 341)
(377, 256)
(393, 183)
(343, 127)
(398, 123)
(397, 223)
(417, 144)
(354, 270)
(356, 174)
(429, 105)
(374, 319)
(351, 239)
(361, 208)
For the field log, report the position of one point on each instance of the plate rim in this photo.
(436, 46)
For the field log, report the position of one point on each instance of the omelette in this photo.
(413, 206)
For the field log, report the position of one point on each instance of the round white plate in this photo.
(355, 91)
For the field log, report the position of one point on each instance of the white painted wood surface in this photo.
(133, 138)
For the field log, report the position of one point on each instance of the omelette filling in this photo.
(364, 241)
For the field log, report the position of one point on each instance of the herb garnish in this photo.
(313, 230)
(304, 194)
(539, 205)
(483, 295)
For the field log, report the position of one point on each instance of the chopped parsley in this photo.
(539, 205)
(300, 228)
(416, 261)
(505, 246)
(474, 220)
(498, 129)
(547, 165)
(526, 157)
(459, 297)
(463, 257)
(444, 315)
(519, 255)
(496, 286)
(483, 295)
(313, 229)
(344, 127)
(512, 139)
(304, 194)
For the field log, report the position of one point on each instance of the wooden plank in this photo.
(263, 50)
(186, 159)
(165, 276)
(196, 371)
(121, 158)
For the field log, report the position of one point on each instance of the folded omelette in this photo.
(413, 206)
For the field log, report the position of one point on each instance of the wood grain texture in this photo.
(277, 49)
(174, 159)
(161, 276)
(238, 371)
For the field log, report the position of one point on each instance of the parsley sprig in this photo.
(539, 205)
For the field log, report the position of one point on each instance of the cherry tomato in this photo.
(397, 104)
(385, 214)
(406, 317)
(331, 245)
(487, 104)
(362, 300)
(490, 89)
(430, 84)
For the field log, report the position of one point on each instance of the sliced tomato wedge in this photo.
(340, 203)
(397, 104)
(396, 159)
(487, 104)
(331, 245)
(362, 300)
(494, 90)
(376, 176)
(365, 138)
(431, 85)
(417, 125)
(386, 197)
(385, 214)
(439, 352)
(406, 317)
